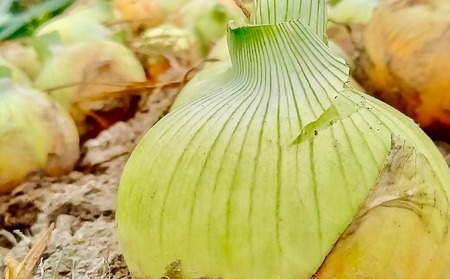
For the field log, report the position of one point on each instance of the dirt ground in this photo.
(81, 205)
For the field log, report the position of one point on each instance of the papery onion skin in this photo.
(156, 43)
(405, 61)
(36, 135)
(87, 71)
(139, 13)
(260, 177)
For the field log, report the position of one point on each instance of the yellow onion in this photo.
(73, 29)
(165, 46)
(36, 134)
(139, 13)
(283, 170)
(405, 61)
(98, 10)
(83, 78)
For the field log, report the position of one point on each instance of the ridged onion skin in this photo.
(405, 61)
(36, 134)
(201, 82)
(86, 71)
(282, 170)
(221, 65)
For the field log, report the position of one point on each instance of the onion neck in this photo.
(285, 52)
(313, 13)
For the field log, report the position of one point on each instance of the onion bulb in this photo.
(83, 78)
(283, 170)
(405, 61)
(218, 66)
(165, 46)
(353, 11)
(206, 19)
(97, 10)
(36, 134)
(73, 29)
(139, 13)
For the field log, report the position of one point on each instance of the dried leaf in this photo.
(23, 270)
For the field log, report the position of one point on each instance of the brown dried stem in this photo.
(243, 8)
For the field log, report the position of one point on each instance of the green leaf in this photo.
(19, 24)
(5, 6)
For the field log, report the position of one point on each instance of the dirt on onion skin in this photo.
(81, 204)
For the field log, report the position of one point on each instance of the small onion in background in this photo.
(36, 134)
(98, 10)
(85, 78)
(352, 11)
(140, 14)
(73, 29)
(166, 50)
(208, 20)
(406, 61)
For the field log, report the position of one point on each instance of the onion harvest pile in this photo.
(283, 170)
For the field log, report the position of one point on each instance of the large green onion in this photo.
(219, 65)
(282, 170)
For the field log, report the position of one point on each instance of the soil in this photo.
(81, 205)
